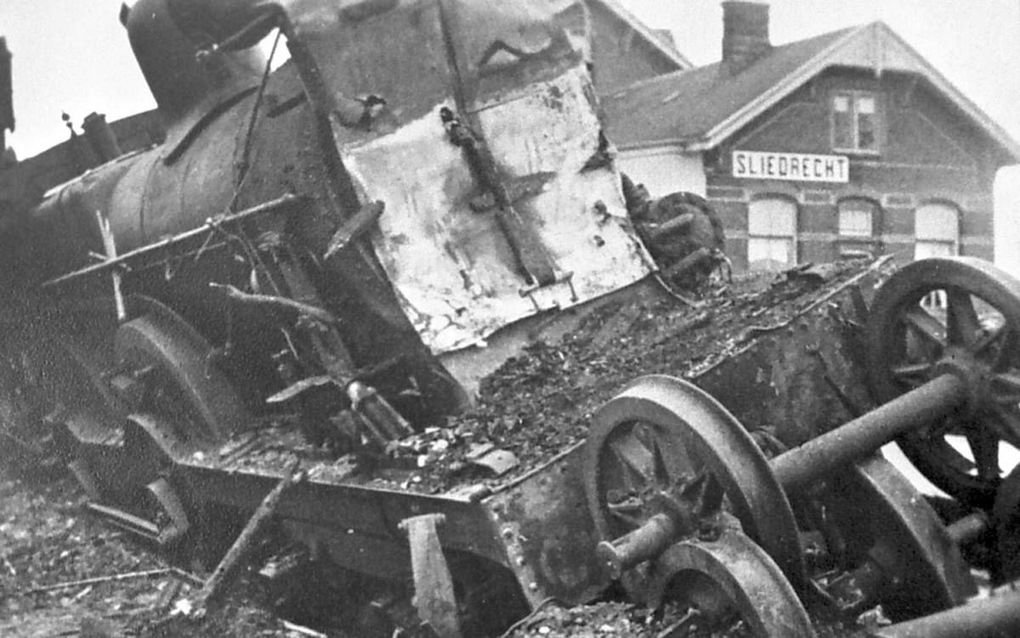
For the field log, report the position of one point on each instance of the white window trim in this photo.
(793, 238)
(879, 114)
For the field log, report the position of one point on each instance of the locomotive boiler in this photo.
(417, 181)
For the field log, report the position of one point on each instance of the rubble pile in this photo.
(538, 404)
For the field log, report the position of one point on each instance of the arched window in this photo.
(857, 218)
(936, 230)
(771, 234)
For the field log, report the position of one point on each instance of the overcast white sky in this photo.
(72, 55)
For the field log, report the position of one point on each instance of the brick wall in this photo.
(928, 154)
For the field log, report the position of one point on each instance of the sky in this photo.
(73, 56)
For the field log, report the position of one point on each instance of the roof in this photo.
(665, 47)
(699, 108)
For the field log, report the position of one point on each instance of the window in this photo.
(856, 218)
(771, 234)
(936, 231)
(936, 234)
(855, 121)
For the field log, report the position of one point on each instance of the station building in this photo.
(849, 143)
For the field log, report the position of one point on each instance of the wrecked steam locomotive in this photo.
(325, 257)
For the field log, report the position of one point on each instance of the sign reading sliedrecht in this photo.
(798, 167)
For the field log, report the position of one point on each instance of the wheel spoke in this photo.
(635, 460)
(927, 327)
(984, 445)
(1005, 355)
(962, 325)
(913, 374)
(1006, 387)
(990, 338)
(1007, 418)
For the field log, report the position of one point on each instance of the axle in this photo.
(868, 432)
(812, 460)
(991, 617)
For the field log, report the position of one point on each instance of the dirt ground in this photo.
(47, 539)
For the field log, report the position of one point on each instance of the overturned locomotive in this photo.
(324, 258)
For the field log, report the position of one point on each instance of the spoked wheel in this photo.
(664, 450)
(166, 372)
(731, 584)
(961, 315)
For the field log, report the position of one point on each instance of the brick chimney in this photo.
(745, 34)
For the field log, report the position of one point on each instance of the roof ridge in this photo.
(638, 25)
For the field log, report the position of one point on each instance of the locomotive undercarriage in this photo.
(136, 433)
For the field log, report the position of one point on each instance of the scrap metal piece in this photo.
(495, 461)
(354, 227)
(300, 386)
(433, 585)
(172, 506)
(533, 258)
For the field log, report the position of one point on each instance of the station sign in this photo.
(796, 167)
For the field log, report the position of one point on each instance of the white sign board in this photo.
(797, 167)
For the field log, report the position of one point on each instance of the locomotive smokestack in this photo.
(178, 79)
(745, 34)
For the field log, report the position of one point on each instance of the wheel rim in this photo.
(963, 314)
(879, 513)
(75, 394)
(663, 439)
(179, 387)
(731, 577)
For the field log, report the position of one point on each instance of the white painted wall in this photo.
(664, 170)
(1007, 219)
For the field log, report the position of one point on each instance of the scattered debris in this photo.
(245, 541)
(99, 579)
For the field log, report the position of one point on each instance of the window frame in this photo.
(794, 249)
(854, 95)
(932, 239)
(852, 245)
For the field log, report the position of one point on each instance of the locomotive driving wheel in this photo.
(960, 315)
(166, 371)
(665, 450)
(730, 584)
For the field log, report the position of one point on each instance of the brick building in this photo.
(842, 144)
(625, 50)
